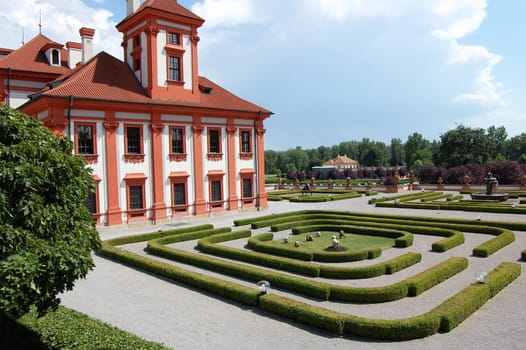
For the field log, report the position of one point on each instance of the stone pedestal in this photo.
(394, 189)
(466, 187)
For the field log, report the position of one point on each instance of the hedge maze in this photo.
(436, 200)
(303, 277)
(321, 195)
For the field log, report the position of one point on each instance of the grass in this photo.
(351, 242)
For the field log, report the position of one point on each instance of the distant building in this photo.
(341, 163)
(163, 142)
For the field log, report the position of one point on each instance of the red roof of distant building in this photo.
(340, 160)
(107, 78)
(31, 57)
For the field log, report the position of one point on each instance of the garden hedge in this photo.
(442, 318)
(320, 290)
(306, 268)
(69, 329)
(435, 275)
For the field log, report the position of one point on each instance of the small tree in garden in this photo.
(46, 232)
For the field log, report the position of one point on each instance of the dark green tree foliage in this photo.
(464, 145)
(46, 232)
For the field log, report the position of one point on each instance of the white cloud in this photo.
(226, 13)
(461, 18)
(61, 21)
(343, 9)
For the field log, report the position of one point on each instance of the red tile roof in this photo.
(170, 6)
(4, 51)
(107, 78)
(340, 160)
(104, 77)
(31, 58)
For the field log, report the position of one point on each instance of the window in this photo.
(133, 144)
(214, 141)
(175, 68)
(216, 191)
(136, 41)
(55, 59)
(135, 185)
(179, 181)
(245, 142)
(247, 185)
(179, 194)
(177, 144)
(177, 135)
(133, 140)
(214, 144)
(215, 183)
(136, 64)
(173, 39)
(91, 202)
(135, 197)
(85, 139)
(247, 188)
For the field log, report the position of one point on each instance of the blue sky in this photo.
(337, 70)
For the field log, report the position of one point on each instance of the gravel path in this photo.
(184, 318)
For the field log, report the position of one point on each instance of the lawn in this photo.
(351, 242)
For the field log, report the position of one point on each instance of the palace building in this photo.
(163, 142)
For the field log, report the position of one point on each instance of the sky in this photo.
(336, 70)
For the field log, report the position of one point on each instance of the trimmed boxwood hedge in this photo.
(69, 329)
(258, 243)
(435, 275)
(487, 248)
(486, 207)
(304, 268)
(459, 307)
(442, 318)
(523, 255)
(314, 289)
(487, 227)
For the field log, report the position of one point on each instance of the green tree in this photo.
(417, 149)
(497, 138)
(515, 147)
(396, 152)
(271, 166)
(46, 232)
(464, 145)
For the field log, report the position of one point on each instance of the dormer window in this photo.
(55, 57)
(52, 52)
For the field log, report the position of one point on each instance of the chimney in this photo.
(74, 53)
(87, 43)
(131, 6)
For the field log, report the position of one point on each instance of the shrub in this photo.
(302, 312)
(69, 329)
(435, 275)
(487, 248)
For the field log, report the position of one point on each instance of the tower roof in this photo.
(169, 7)
(31, 57)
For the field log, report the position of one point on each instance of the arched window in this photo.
(55, 59)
